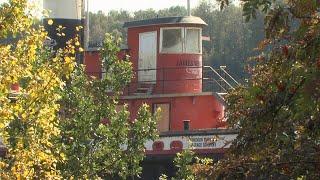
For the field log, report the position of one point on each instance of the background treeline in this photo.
(232, 39)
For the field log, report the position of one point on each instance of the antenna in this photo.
(189, 11)
(87, 35)
(85, 15)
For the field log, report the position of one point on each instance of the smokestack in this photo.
(67, 14)
(189, 11)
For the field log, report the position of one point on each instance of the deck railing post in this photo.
(163, 69)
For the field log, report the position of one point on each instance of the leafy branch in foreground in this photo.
(278, 112)
(189, 166)
(28, 118)
(97, 136)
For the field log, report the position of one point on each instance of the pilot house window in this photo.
(172, 40)
(180, 40)
(193, 41)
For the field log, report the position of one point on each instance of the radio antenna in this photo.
(189, 11)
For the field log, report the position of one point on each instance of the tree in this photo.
(97, 136)
(231, 38)
(145, 14)
(28, 118)
(277, 112)
(101, 23)
(112, 21)
(189, 166)
(173, 11)
(60, 123)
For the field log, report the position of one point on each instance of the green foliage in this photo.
(190, 167)
(142, 129)
(97, 137)
(278, 112)
(183, 162)
(163, 177)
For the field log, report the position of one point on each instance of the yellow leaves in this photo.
(262, 44)
(47, 151)
(70, 63)
(59, 29)
(3, 165)
(61, 34)
(4, 114)
(34, 113)
(67, 60)
(300, 129)
(78, 28)
(24, 115)
(77, 43)
(50, 22)
(63, 156)
(72, 51)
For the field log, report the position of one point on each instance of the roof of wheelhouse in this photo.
(165, 20)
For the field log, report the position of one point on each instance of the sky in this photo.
(132, 5)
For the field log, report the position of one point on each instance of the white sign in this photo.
(200, 142)
(196, 142)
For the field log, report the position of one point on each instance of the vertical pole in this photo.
(163, 81)
(87, 34)
(202, 81)
(189, 11)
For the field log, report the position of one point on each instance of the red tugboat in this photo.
(166, 54)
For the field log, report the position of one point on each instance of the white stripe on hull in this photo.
(196, 142)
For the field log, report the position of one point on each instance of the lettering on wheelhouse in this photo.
(188, 63)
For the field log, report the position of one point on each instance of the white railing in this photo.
(220, 79)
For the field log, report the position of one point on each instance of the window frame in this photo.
(161, 39)
(183, 37)
(185, 40)
(154, 109)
